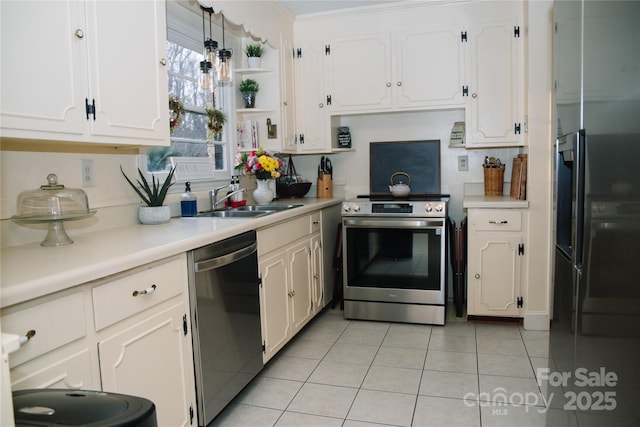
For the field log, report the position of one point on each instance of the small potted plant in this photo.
(215, 121)
(254, 52)
(153, 196)
(249, 88)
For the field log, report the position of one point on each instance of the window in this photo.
(199, 158)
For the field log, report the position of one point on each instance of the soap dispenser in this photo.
(188, 202)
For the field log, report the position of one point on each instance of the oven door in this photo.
(397, 260)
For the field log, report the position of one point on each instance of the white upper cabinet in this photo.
(495, 98)
(440, 55)
(429, 68)
(311, 113)
(287, 84)
(358, 73)
(91, 72)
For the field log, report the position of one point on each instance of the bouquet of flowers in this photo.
(261, 163)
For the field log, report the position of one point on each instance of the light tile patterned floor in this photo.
(338, 372)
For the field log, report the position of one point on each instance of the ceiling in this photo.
(303, 7)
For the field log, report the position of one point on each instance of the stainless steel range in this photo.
(394, 259)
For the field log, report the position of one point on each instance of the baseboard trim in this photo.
(536, 321)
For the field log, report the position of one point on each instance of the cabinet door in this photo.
(359, 73)
(128, 75)
(317, 277)
(311, 117)
(153, 359)
(275, 311)
(43, 71)
(301, 292)
(429, 69)
(494, 273)
(75, 371)
(496, 82)
(287, 83)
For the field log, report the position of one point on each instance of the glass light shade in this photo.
(225, 66)
(206, 76)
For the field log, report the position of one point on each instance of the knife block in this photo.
(325, 186)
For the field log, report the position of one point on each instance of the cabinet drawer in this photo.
(123, 296)
(56, 322)
(280, 235)
(496, 220)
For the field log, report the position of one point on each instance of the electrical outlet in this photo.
(463, 163)
(87, 173)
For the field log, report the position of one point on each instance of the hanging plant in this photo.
(176, 112)
(215, 121)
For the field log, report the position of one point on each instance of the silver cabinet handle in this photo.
(147, 291)
(499, 222)
(474, 95)
(388, 84)
(321, 105)
(285, 103)
(163, 61)
(79, 33)
(477, 276)
(399, 83)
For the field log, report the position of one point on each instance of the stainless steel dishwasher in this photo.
(225, 319)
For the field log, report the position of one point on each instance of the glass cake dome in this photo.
(53, 203)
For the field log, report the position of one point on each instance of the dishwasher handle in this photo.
(209, 264)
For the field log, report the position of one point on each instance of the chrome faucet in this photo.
(213, 195)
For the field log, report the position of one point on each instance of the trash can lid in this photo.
(39, 407)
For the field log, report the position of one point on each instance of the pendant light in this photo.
(208, 64)
(225, 62)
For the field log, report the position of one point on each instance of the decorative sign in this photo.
(344, 137)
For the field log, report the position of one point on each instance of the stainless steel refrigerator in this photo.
(595, 326)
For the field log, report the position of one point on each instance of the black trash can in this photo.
(40, 407)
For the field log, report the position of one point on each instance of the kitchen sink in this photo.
(248, 211)
(253, 208)
(233, 214)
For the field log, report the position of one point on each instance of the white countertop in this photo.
(30, 271)
(493, 202)
(474, 198)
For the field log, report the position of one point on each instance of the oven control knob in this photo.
(428, 207)
(355, 208)
(439, 207)
(345, 207)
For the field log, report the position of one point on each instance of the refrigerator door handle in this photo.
(579, 166)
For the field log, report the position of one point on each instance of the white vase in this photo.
(154, 214)
(253, 61)
(263, 194)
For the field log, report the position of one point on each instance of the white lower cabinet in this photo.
(128, 333)
(59, 353)
(286, 263)
(148, 359)
(496, 249)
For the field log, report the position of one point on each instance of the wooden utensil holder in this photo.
(325, 186)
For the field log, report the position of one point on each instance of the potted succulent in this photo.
(254, 52)
(249, 88)
(215, 121)
(153, 196)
